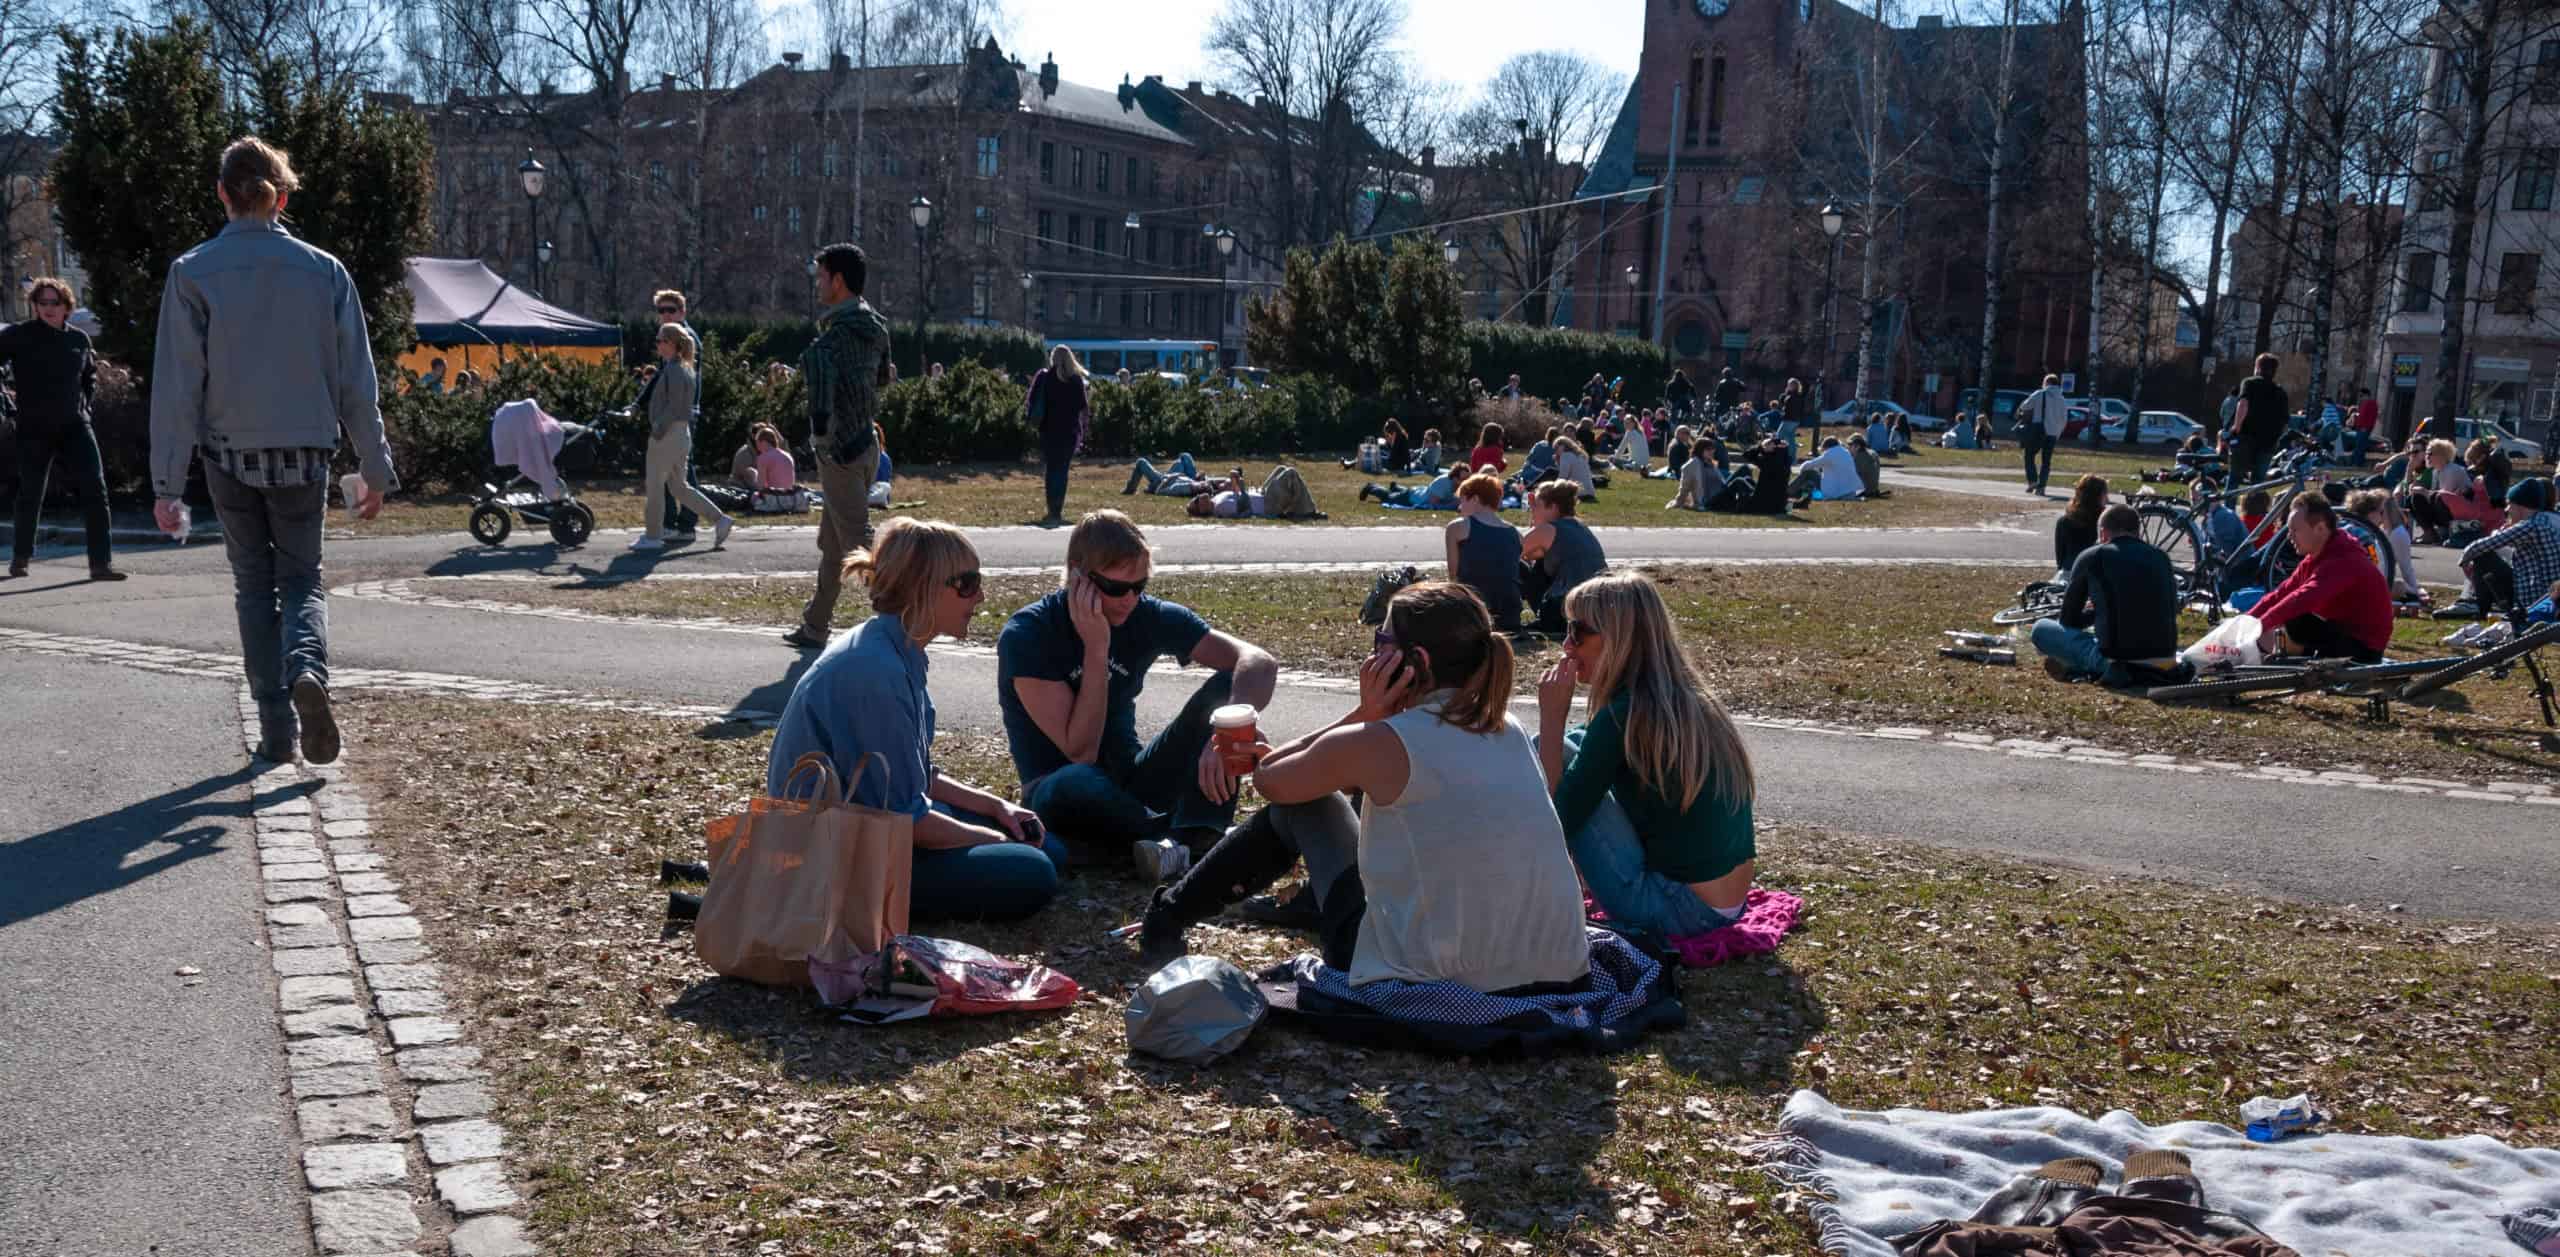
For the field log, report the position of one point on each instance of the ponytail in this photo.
(256, 176)
(1484, 700)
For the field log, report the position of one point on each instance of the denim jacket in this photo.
(262, 346)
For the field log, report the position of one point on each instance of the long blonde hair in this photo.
(1062, 361)
(1679, 739)
(910, 562)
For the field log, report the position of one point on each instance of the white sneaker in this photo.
(2493, 634)
(720, 532)
(648, 543)
(2463, 636)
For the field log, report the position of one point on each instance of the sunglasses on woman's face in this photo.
(45, 302)
(1578, 631)
(1110, 588)
(968, 583)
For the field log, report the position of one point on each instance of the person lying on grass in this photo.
(1069, 669)
(1440, 495)
(977, 855)
(2335, 604)
(1654, 794)
(1454, 868)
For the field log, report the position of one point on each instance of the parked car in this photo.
(2155, 427)
(2004, 406)
(2467, 430)
(1843, 413)
(2113, 412)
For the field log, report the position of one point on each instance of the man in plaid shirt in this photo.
(2524, 573)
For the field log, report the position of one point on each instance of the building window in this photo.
(1151, 311)
(1048, 228)
(1102, 172)
(831, 163)
(1151, 244)
(1126, 305)
(1075, 169)
(1075, 231)
(1128, 241)
(2534, 171)
(759, 213)
(764, 163)
(984, 235)
(1040, 304)
(2517, 274)
(2432, 193)
(658, 174)
(1697, 86)
(1071, 305)
(1715, 102)
(1048, 161)
(2546, 73)
(791, 219)
(2418, 288)
(982, 289)
(1131, 170)
(990, 156)
(795, 161)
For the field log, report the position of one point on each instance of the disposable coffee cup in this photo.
(1233, 729)
(350, 486)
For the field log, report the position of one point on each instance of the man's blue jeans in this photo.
(1609, 855)
(996, 880)
(1101, 807)
(273, 536)
(1143, 470)
(2076, 648)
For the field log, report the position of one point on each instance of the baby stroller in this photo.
(528, 442)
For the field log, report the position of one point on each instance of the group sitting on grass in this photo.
(1442, 843)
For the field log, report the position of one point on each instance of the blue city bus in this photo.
(1108, 357)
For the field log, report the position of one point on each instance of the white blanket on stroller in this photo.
(524, 436)
(1890, 1173)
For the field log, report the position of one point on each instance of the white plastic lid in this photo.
(1234, 716)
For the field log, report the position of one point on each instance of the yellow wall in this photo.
(485, 358)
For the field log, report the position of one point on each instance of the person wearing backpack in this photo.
(1057, 404)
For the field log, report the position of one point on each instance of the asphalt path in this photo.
(145, 1109)
(2319, 844)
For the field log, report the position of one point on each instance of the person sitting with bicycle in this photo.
(2335, 604)
(2497, 582)
(2119, 619)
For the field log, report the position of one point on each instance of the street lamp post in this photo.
(1226, 241)
(1832, 222)
(1634, 279)
(542, 269)
(532, 176)
(920, 212)
(1026, 298)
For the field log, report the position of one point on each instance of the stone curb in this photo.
(410, 1161)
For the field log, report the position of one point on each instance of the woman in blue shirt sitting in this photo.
(1655, 792)
(977, 855)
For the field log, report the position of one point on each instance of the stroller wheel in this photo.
(571, 522)
(490, 524)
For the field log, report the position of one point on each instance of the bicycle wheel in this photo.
(2035, 602)
(2173, 531)
(2515, 648)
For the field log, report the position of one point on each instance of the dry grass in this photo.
(1853, 644)
(987, 495)
(661, 1110)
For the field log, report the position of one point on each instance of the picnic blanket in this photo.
(1629, 994)
(1767, 915)
(1890, 1173)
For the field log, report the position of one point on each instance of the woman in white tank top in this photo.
(1455, 868)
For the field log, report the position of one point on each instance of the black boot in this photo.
(672, 871)
(1248, 860)
(682, 906)
(1160, 940)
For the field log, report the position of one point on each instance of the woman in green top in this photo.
(1655, 792)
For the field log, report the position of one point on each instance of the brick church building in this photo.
(1770, 125)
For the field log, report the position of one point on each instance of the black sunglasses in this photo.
(967, 583)
(51, 301)
(1577, 630)
(1110, 588)
(670, 309)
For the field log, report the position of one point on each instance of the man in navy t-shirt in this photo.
(1076, 744)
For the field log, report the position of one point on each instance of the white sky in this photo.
(1459, 42)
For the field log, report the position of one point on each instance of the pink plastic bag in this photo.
(915, 976)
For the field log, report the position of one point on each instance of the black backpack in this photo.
(1373, 610)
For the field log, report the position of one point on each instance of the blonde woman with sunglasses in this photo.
(1655, 793)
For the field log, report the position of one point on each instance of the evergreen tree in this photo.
(1424, 354)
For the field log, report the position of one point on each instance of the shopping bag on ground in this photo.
(2232, 644)
(795, 878)
(916, 976)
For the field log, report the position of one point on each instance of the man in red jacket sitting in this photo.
(2336, 604)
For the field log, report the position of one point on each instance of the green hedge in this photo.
(1014, 350)
(1555, 362)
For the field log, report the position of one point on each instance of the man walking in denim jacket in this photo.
(843, 371)
(262, 358)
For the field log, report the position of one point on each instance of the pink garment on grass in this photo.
(1767, 915)
(523, 435)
